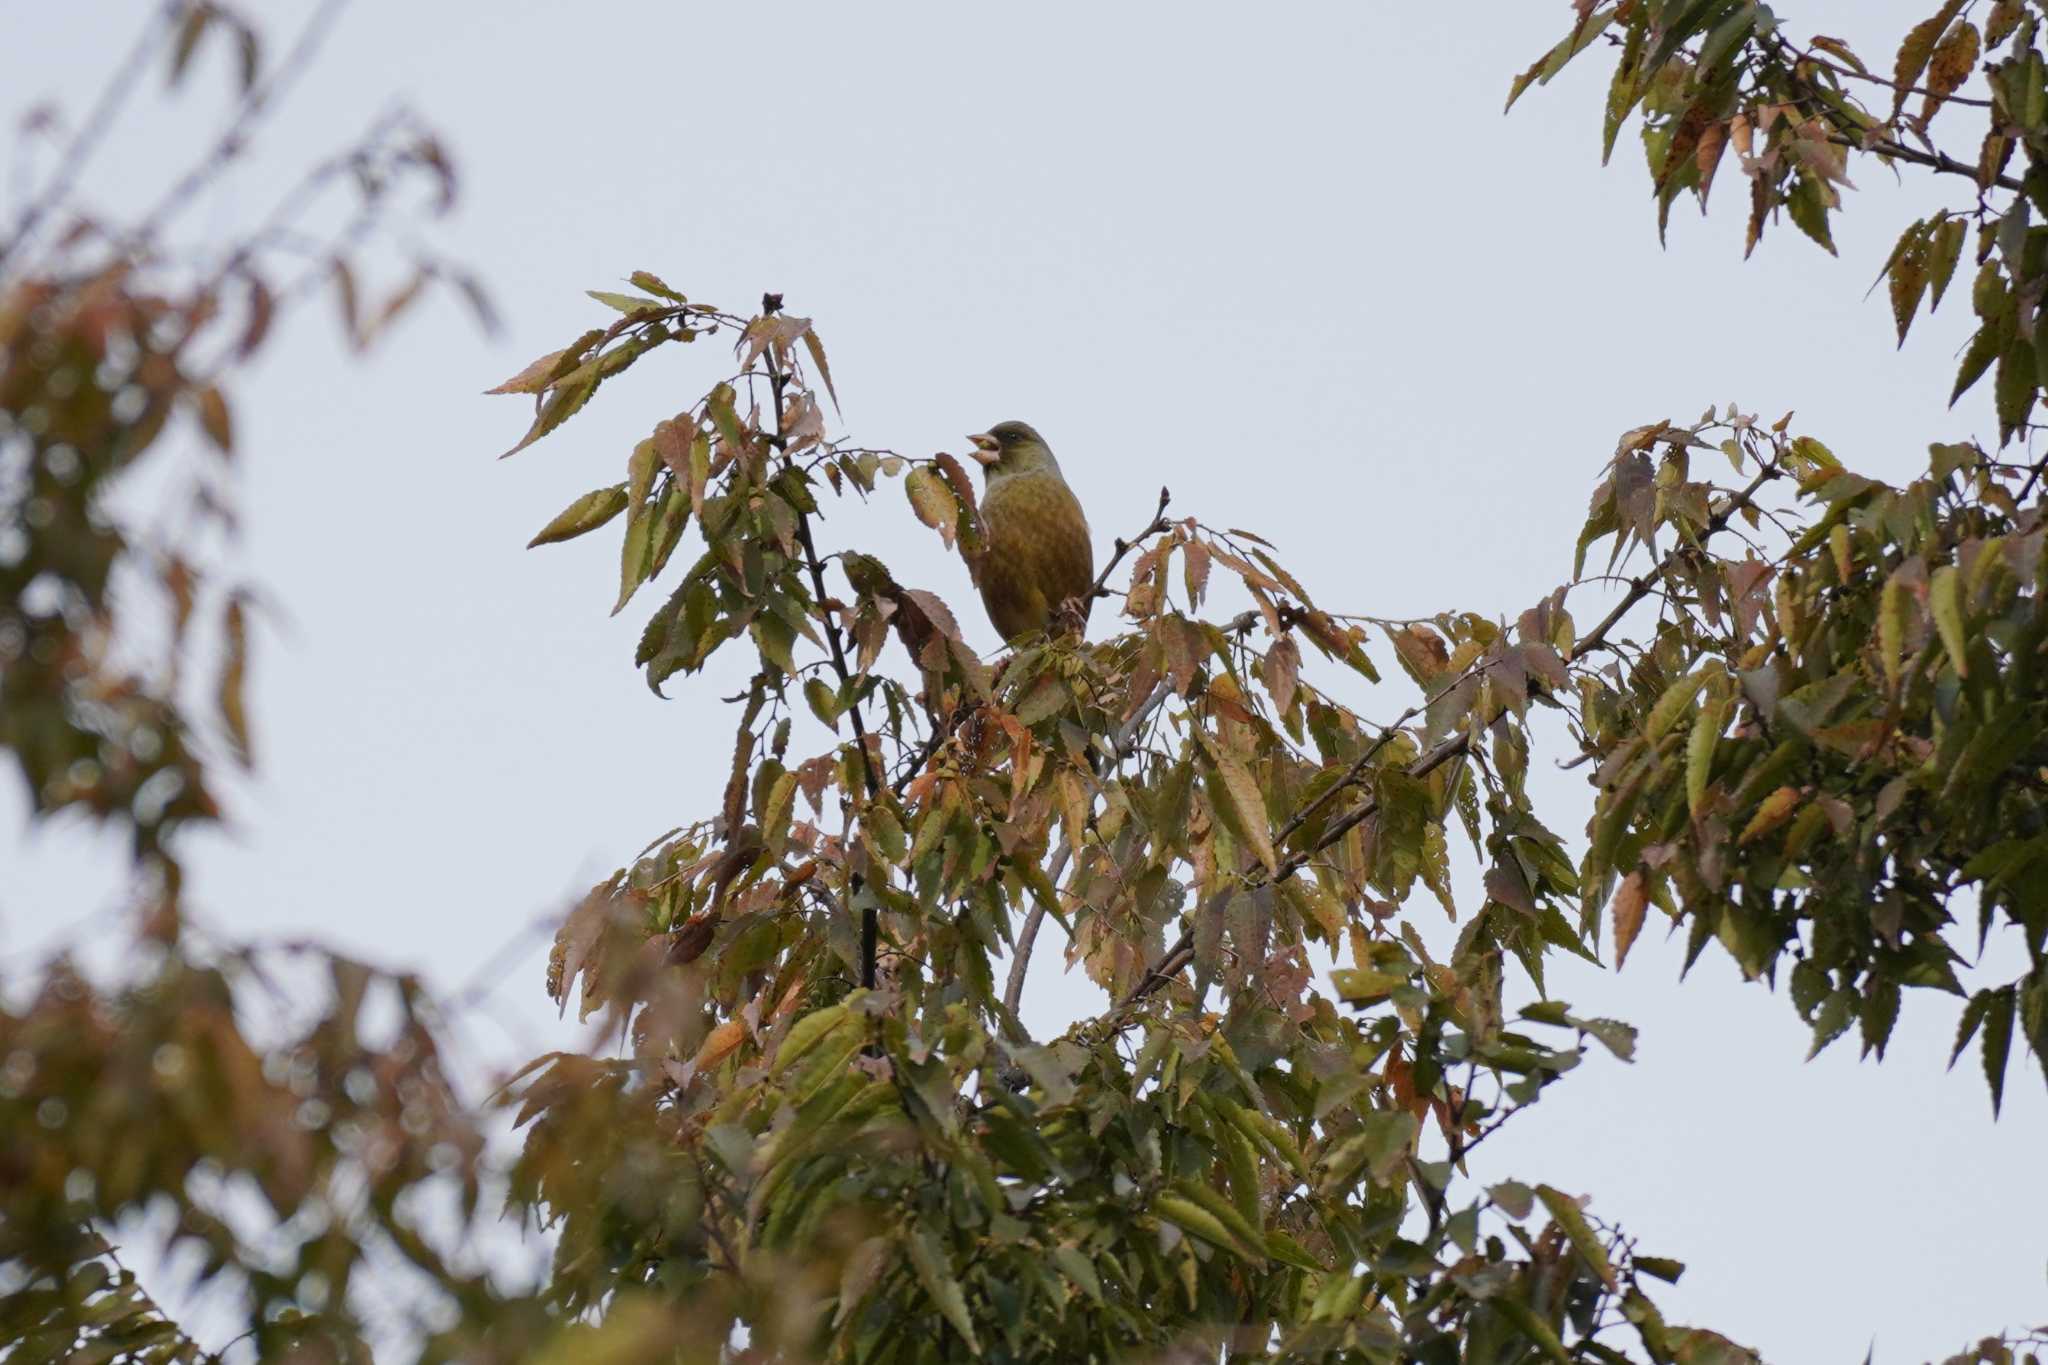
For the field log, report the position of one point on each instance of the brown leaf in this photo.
(1629, 903)
(932, 501)
(1197, 570)
(214, 419)
(1282, 672)
(1246, 801)
(234, 667)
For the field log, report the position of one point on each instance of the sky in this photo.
(1294, 265)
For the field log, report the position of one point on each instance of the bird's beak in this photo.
(987, 448)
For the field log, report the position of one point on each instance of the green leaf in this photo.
(652, 283)
(1997, 1043)
(1584, 32)
(1808, 205)
(1672, 705)
(628, 304)
(1564, 1210)
(2013, 388)
(1945, 596)
(1908, 271)
(587, 513)
(1983, 349)
(824, 700)
(1700, 746)
(1243, 802)
(1942, 257)
(936, 1275)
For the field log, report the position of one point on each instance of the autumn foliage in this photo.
(813, 1124)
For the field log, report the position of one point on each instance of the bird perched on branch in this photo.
(1038, 556)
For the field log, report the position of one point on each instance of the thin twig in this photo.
(235, 139)
(125, 80)
(1124, 547)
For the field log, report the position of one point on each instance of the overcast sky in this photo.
(1292, 262)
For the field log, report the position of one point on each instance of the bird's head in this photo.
(1012, 448)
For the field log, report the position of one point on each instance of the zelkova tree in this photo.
(816, 1126)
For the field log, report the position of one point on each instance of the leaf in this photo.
(535, 377)
(824, 700)
(1908, 272)
(1672, 705)
(214, 419)
(587, 513)
(652, 283)
(1565, 1212)
(1191, 1217)
(1955, 57)
(1700, 747)
(1249, 806)
(1775, 810)
(1917, 48)
(817, 350)
(1945, 596)
(1997, 1043)
(936, 1275)
(1195, 565)
(1844, 551)
(1983, 349)
(2013, 388)
(1942, 256)
(234, 712)
(628, 304)
(932, 501)
(558, 407)
(1629, 903)
(1282, 672)
(1894, 608)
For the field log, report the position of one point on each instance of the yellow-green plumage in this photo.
(1038, 553)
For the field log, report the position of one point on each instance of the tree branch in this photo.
(870, 926)
(72, 163)
(1177, 956)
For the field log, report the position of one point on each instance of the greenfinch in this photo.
(1038, 556)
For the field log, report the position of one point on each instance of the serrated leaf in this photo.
(586, 514)
(1246, 801)
(1894, 618)
(1670, 706)
(1917, 48)
(652, 283)
(1630, 901)
(936, 1275)
(1773, 811)
(1699, 754)
(932, 501)
(1983, 349)
(1997, 1043)
(1942, 256)
(1945, 597)
(1908, 277)
(817, 350)
(1840, 546)
(1565, 1212)
(2013, 387)
(824, 700)
(628, 304)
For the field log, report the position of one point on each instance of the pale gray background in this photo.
(1293, 263)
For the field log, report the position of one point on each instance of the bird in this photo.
(1038, 555)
